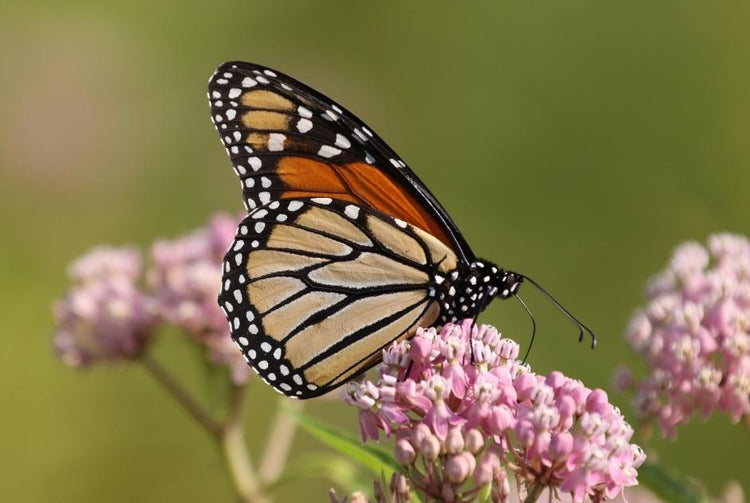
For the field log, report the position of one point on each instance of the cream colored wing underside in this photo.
(325, 285)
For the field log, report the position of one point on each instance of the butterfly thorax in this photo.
(466, 291)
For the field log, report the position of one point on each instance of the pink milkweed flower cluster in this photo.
(104, 316)
(113, 309)
(694, 334)
(185, 277)
(466, 413)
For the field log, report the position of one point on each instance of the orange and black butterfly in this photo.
(344, 250)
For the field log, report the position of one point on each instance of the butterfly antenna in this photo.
(533, 327)
(581, 327)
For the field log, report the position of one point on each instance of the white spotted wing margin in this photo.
(315, 288)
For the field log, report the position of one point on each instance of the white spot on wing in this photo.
(328, 151)
(276, 142)
(351, 211)
(304, 125)
(342, 141)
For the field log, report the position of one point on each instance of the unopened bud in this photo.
(430, 448)
(454, 442)
(404, 452)
(474, 441)
(457, 468)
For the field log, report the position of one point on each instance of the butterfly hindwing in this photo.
(314, 288)
(286, 140)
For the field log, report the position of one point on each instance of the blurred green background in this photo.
(577, 142)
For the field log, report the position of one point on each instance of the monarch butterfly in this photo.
(343, 250)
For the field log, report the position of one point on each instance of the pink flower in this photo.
(502, 417)
(185, 275)
(105, 262)
(694, 334)
(104, 316)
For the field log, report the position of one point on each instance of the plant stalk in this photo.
(183, 396)
(238, 460)
(534, 493)
(279, 442)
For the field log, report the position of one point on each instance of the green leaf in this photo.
(374, 458)
(485, 493)
(334, 467)
(668, 485)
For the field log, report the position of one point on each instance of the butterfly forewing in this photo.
(286, 140)
(314, 288)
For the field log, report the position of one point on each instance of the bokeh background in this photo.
(576, 141)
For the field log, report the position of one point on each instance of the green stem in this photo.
(279, 442)
(533, 494)
(183, 397)
(238, 460)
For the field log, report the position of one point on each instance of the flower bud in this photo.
(430, 448)
(474, 441)
(555, 379)
(471, 460)
(560, 446)
(400, 487)
(525, 385)
(500, 420)
(419, 433)
(457, 468)
(454, 442)
(404, 452)
(486, 468)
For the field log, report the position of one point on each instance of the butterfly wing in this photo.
(315, 288)
(286, 140)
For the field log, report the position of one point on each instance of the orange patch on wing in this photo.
(359, 183)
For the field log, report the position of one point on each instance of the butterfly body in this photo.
(344, 250)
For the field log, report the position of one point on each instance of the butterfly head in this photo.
(497, 282)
